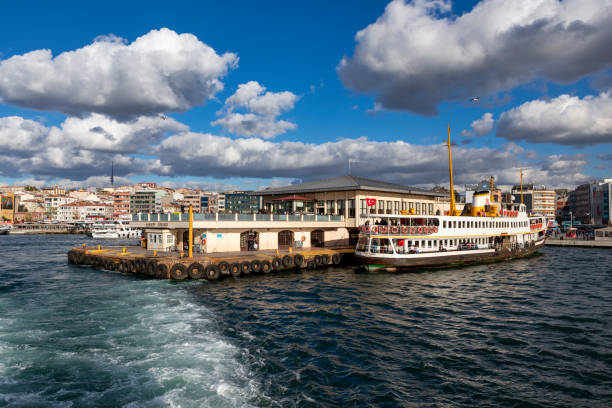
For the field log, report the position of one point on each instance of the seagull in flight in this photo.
(163, 117)
(475, 99)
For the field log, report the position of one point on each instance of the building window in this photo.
(330, 207)
(340, 207)
(363, 207)
(351, 208)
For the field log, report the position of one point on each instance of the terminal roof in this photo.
(345, 183)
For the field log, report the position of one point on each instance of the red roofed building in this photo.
(84, 211)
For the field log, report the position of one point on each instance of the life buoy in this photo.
(420, 230)
(203, 241)
(383, 229)
(303, 238)
(405, 230)
(374, 229)
(435, 229)
(394, 230)
(412, 230)
(366, 229)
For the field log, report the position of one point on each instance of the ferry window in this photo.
(396, 207)
(429, 244)
(410, 206)
(363, 208)
(416, 244)
(444, 224)
(418, 208)
(423, 244)
(403, 206)
(351, 208)
(430, 209)
(454, 224)
(381, 206)
(436, 222)
(389, 206)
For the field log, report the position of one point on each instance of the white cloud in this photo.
(59, 154)
(416, 55)
(401, 162)
(567, 120)
(262, 110)
(160, 71)
(481, 127)
(18, 135)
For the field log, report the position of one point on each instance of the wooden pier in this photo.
(139, 261)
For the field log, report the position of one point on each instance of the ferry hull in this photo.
(448, 259)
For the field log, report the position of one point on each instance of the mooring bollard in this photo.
(84, 245)
(123, 250)
(155, 253)
(99, 247)
(290, 250)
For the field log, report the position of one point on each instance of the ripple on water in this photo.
(529, 333)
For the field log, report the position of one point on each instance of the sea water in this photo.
(526, 333)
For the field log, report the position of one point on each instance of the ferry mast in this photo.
(450, 169)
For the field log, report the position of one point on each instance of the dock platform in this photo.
(210, 266)
(579, 243)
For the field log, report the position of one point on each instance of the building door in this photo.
(353, 236)
(185, 241)
(285, 239)
(316, 238)
(249, 241)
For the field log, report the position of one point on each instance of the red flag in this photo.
(370, 201)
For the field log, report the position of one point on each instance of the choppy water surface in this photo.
(533, 332)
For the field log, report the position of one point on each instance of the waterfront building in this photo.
(193, 198)
(220, 203)
(538, 199)
(590, 202)
(242, 202)
(52, 203)
(84, 211)
(121, 203)
(9, 203)
(146, 201)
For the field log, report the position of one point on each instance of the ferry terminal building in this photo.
(323, 213)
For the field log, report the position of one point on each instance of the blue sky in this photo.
(386, 109)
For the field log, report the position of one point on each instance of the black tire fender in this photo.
(310, 265)
(235, 270)
(224, 267)
(298, 260)
(287, 261)
(277, 264)
(336, 258)
(196, 270)
(255, 266)
(151, 267)
(317, 260)
(212, 272)
(266, 266)
(178, 271)
(325, 259)
(245, 268)
(161, 271)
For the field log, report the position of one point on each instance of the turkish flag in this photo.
(370, 201)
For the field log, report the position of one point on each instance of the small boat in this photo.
(114, 229)
(485, 231)
(5, 229)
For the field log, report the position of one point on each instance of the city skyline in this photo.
(243, 96)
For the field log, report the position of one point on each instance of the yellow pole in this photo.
(450, 169)
(491, 192)
(521, 186)
(190, 231)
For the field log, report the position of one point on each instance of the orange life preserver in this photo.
(420, 230)
(375, 229)
(203, 241)
(394, 230)
(435, 229)
(405, 230)
(383, 229)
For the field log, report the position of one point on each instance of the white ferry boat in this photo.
(484, 231)
(114, 229)
(5, 229)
